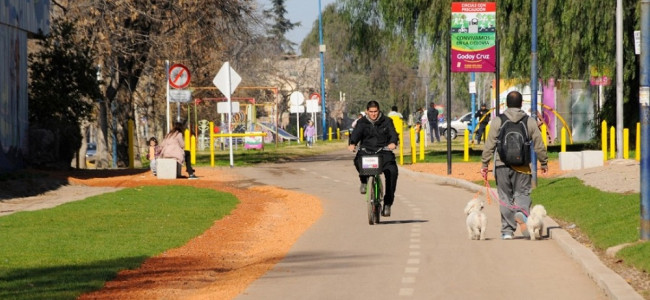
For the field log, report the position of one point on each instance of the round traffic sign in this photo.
(179, 76)
(296, 98)
(315, 96)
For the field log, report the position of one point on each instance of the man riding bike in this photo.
(374, 132)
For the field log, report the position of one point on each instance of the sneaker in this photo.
(521, 219)
(386, 211)
(506, 236)
(192, 176)
(362, 188)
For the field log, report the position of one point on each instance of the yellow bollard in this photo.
(193, 150)
(399, 127)
(413, 144)
(603, 139)
(131, 145)
(637, 149)
(329, 133)
(212, 144)
(563, 140)
(612, 143)
(186, 138)
(626, 143)
(422, 144)
(544, 139)
(487, 131)
(466, 146)
(338, 133)
(302, 134)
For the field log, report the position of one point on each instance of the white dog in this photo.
(476, 219)
(535, 222)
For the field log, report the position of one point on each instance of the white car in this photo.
(457, 126)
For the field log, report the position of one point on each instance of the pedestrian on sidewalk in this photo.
(484, 118)
(432, 118)
(310, 133)
(513, 181)
(152, 154)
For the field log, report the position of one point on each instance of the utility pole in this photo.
(619, 78)
(321, 49)
(533, 85)
(644, 118)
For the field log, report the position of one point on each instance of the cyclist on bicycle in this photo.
(374, 132)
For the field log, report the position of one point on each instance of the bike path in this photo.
(421, 252)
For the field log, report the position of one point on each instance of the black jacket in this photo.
(374, 135)
(432, 115)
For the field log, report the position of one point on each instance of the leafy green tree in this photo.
(574, 37)
(62, 86)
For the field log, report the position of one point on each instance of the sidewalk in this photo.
(612, 283)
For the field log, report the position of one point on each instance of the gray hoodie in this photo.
(514, 114)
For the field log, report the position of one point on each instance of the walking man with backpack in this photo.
(510, 145)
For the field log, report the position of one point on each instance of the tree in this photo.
(62, 89)
(280, 26)
(573, 37)
(133, 38)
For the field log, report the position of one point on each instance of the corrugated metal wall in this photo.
(13, 89)
(18, 18)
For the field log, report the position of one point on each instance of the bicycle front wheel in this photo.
(374, 206)
(370, 202)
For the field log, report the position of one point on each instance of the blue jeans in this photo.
(434, 131)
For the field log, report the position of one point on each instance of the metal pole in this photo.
(228, 96)
(167, 85)
(322, 68)
(619, 78)
(533, 86)
(497, 82)
(473, 101)
(448, 131)
(644, 117)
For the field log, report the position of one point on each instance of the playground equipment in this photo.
(547, 108)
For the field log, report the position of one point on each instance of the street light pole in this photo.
(533, 85)
(619, 78)
(321, 49)
(644, 118)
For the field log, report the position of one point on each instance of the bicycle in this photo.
(371, 165)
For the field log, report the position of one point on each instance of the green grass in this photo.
(62, 252)
(608, 219)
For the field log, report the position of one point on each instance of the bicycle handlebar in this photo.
(378, 150)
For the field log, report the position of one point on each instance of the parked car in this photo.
(91, 150)
(457, 126)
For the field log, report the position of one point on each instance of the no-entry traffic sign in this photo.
(179, 76)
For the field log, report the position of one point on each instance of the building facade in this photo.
(19, 20)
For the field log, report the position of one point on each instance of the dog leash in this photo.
(511, 207)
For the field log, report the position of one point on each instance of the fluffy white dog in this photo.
(535, 222)
(476, 219)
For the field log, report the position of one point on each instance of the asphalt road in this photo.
(421, 252)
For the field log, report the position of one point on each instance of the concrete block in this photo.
(570, 161)
(167, 168)
(592, 159)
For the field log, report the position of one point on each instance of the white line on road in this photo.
(406, 292)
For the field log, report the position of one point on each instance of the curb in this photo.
(614, 286)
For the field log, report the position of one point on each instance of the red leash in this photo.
(511, 207)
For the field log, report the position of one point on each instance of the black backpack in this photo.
(513, 143)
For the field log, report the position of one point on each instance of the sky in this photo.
(303, 11)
